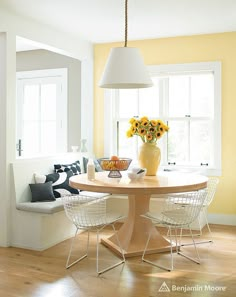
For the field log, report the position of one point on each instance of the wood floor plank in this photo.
(25, 273)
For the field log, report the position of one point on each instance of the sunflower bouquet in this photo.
(148, 130)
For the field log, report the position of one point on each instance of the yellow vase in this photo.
(149, 157)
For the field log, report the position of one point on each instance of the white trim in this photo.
(221, 219)
(87, 103)
(185, 67)
(215, 67)
(58, 72)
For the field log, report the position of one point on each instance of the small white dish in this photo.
(136, 173)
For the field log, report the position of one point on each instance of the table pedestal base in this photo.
(133, 234)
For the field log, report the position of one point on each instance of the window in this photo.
(41, 112)
(188, 98)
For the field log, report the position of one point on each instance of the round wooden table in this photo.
(134, 232)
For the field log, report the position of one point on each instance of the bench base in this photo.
(37, 231)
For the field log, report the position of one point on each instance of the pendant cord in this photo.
(126, 22)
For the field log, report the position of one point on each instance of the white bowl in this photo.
(137, 173)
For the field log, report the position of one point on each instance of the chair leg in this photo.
(153, 263)
(195, 247)
(209, 230)
(71, 246)
(208, 227)
(99, 272)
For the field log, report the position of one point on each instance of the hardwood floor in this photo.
(43, 274)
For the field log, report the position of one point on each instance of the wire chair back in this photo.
(211, 190)
(85, 212)
(182, 209)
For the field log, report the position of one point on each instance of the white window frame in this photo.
(110, 97)
(23, 77)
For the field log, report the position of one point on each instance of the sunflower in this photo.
(166, 127)
(142, 131)
(151, 129)
(161, 129)
(149, 136)
(144, 123)
(129, 133)
(153, 123)
(136, 124)
(132, 120)
(144, 119)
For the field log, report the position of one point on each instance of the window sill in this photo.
(196, 170)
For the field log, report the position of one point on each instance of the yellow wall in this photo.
(198, 48)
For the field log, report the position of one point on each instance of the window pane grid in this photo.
(186, 102)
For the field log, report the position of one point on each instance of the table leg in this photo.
(133, 234)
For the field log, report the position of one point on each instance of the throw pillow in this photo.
(96, 164)
(60, 183)
(74, 167)
(42, 192)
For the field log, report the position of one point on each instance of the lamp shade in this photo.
(125, 69)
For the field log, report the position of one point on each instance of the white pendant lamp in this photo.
(125, 68)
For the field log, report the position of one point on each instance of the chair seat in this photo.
(172, 217)
(99, 222)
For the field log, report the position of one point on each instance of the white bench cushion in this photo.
(53, 206)
(42, 207)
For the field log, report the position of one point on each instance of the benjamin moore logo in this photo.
(164, 288)
(196, 288)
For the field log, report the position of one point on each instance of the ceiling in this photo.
(103, 20)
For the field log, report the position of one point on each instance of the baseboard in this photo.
(221, 219)
(39, 248)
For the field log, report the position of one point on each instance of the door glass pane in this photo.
(149, 102)
(30, 125)
(31, 102)
(48, 137)
(200, 142)
(30, 141)
(178, 96)
(127, 146)
(48, 102)
(128, 103)
(178, 142)
(202, 95)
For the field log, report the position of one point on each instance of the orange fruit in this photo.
(114, 158)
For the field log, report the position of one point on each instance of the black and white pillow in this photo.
(74, 167)
(60, 183)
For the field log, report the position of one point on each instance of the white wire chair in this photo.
(211, 190)
(90, 214)
(177, 213)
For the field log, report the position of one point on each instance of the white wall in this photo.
(3, 179)
(10, 27)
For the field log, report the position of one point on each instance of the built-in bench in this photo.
(38, 225)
